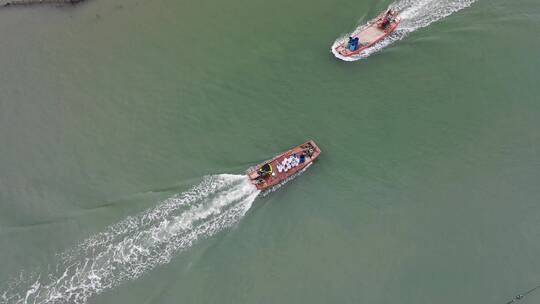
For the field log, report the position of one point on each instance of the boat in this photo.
(279, 169)
(368, 35)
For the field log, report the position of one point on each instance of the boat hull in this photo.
(284, 165)
(369, 35)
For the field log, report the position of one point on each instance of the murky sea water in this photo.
(125, 127)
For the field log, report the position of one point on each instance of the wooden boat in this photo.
(278, 169)
(375, 31)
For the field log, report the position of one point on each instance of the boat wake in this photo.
(414, 14)
(132, 247)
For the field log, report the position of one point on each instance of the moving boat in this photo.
(278, 169)
(373, 32)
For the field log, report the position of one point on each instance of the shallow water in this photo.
(426, 191)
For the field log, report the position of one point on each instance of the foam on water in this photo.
(130, 248)
(414, 14)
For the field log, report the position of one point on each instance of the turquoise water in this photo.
(426, 191)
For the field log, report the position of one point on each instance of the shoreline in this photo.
(8, 3)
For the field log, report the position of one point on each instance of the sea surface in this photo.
(126, 126)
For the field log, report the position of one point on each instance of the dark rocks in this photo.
(7, 3)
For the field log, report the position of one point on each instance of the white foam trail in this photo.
(130, 248)
(414, 14)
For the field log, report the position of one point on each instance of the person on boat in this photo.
(350, 43)
(386, 19)
(265, 170)
(353, 44)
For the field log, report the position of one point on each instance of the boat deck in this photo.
(279, 174)
(370, 35)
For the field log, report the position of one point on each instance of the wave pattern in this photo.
(414, 14)
(130, 248)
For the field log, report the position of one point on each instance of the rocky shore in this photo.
(7, 3)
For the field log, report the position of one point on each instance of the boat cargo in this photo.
(278, 169)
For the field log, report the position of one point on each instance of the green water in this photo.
(427, 190)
